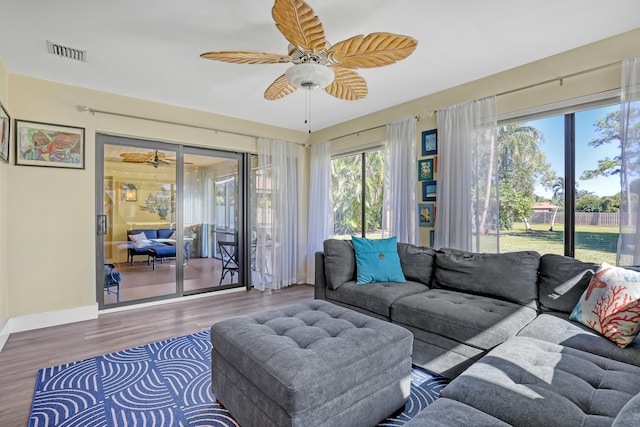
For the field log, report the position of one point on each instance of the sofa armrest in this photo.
(320, 287)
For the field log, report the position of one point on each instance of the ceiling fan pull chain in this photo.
(307, 109)
(309, 114)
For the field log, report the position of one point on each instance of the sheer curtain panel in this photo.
(399, 215)
(320, 204)
(277, 261)
(467, 192)
(629, 239)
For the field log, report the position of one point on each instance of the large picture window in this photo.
(560, 185)
(358, 182)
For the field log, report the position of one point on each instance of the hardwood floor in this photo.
(141, 281)
(26, 352)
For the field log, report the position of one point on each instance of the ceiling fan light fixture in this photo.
(310, 76)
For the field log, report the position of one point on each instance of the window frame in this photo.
(362, 152)
(566, 109)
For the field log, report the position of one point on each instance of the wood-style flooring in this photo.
(141, 281)
(26, 352)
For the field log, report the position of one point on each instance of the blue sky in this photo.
(587, 157)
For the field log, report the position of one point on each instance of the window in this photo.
(358, 182)
(225, 201)
(560, 184)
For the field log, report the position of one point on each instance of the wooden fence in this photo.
(608, 219)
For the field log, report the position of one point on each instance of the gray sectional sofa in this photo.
(498, 325)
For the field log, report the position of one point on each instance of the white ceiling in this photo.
(150, 49)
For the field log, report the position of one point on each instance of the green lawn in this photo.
(593, 243)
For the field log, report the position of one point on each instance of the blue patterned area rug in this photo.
(167, 383)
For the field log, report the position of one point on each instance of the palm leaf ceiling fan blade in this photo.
(374, 50)
(348, 85)
(299, 25)
(247, 57)
(279, 89)
(135, 157)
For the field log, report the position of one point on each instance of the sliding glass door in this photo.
(212, 220)
(169, 221)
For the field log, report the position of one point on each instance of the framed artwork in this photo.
(49, 145)
(429, 142)
(425, 170)
(5, 127)
(432, 238)
(426, 215)
(429, 189)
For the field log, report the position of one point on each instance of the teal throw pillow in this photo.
(377, 260)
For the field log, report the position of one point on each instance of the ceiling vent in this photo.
(67, 52)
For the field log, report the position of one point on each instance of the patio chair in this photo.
(229, 259)
(112, 280)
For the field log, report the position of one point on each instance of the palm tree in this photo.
(558, 189)
(518, 145)
(558, 193)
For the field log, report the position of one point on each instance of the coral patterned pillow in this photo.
(611, 304)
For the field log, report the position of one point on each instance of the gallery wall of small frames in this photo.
(428, 185)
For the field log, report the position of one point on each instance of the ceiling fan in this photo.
(155, 159)
(318, 64)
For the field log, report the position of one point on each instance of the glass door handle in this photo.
(102, 225)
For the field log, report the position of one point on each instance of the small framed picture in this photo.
(426, 215)
(5, 127)
(49, 145)
(425, 170)
(429, 190)
(432, 238)
(429, 142)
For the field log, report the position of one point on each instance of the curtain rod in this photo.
(560, 79)
(507, 92)
(93, 111)
(418, 118)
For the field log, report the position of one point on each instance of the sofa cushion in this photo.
(151, 233)
(562, 280)
(417, 262)
(529, 382)
(475, 320)
(446, 412)
(511, 276)
(629, 416)
(339, 262)
(377, 260)
(558, 329)
(375, 297)
(165, 233)
(611, 304)
(140, 240)
(164, 251)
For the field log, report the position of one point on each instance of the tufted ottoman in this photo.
(310, 364)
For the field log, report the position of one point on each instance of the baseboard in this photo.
(4, 334)
(52, 318)
(172, 300)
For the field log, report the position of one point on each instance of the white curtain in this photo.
(629, 240)
(467, 193)
(277, 261)
(320, 225)
(400, 211)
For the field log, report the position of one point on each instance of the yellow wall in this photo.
(612, 50)
(47, 259)
(4, 277)
(51, 211)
